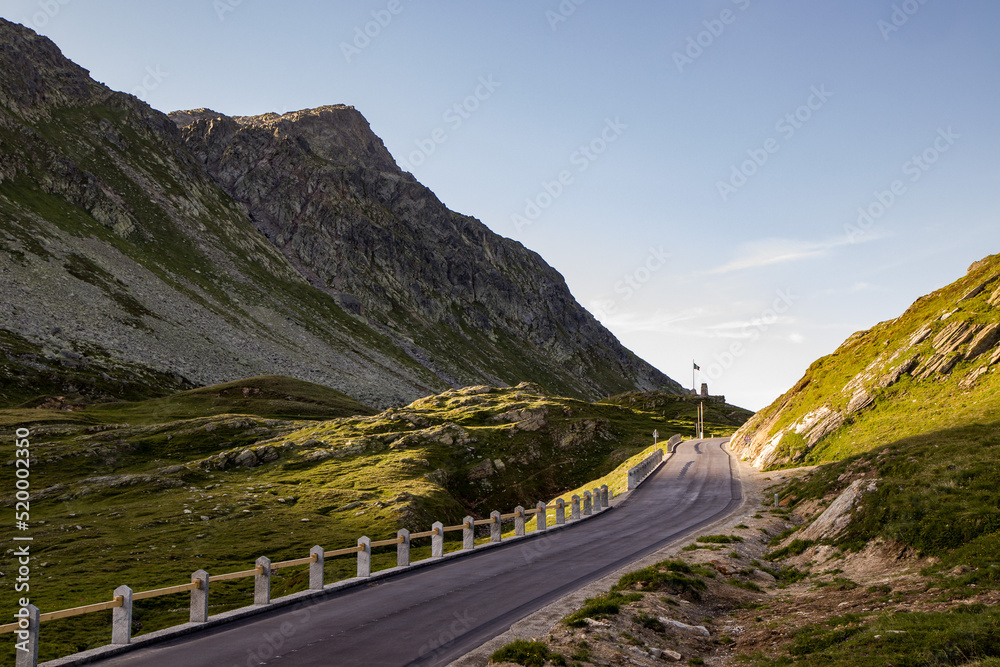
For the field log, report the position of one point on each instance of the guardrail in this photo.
(28, 630)
(648, 465)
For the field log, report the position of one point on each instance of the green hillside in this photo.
(144, 493)
(930, 369)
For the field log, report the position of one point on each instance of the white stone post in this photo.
(437, 540)
(365, 557)
(29, 637)
(631, 479)
(575, 510)
(316, 569)
(121, 617)
(541, 519)
(598, 505)
(262, 582)
(560, 511)
(403, 548)
(469, 534)
(518, 521)
(199, 597)
(586, 503)
(495, 526)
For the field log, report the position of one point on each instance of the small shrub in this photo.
(747, 585)
(786, 575)
(719, 539)
(811, 638)
(750, 605)
(608, 604)
(795, 548)
(674, 579)
(650, 622)
(780, 537)
(530, 654)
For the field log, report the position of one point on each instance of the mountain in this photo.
(148, 254)
(932, 368)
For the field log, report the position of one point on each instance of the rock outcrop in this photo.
(324, 189)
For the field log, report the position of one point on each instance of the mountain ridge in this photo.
(122, 249)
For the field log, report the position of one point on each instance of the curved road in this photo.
(431, 616)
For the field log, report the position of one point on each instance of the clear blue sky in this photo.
(819, 107)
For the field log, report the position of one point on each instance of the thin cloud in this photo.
(769, 252)
(657, 322)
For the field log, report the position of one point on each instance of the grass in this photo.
(938, 491)
(838, 584)
(780, 537)
(530, 653)
(719, 539)
(746, 585)
(600, 606)
(794, 548)
(671, 576)
(907, 408)
(898, 639)
(138, 489)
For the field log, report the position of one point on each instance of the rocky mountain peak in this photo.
(212, 248)
(337, 133)
(37, 76)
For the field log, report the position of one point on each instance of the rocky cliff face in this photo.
(927, 369)
(247, 246)
(324, 189)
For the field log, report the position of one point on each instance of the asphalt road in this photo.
(431, 616)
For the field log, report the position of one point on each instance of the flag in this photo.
(696, 367)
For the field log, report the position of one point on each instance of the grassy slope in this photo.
(112, 486)
(938, 494)
(934, 446)
(909, 407)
